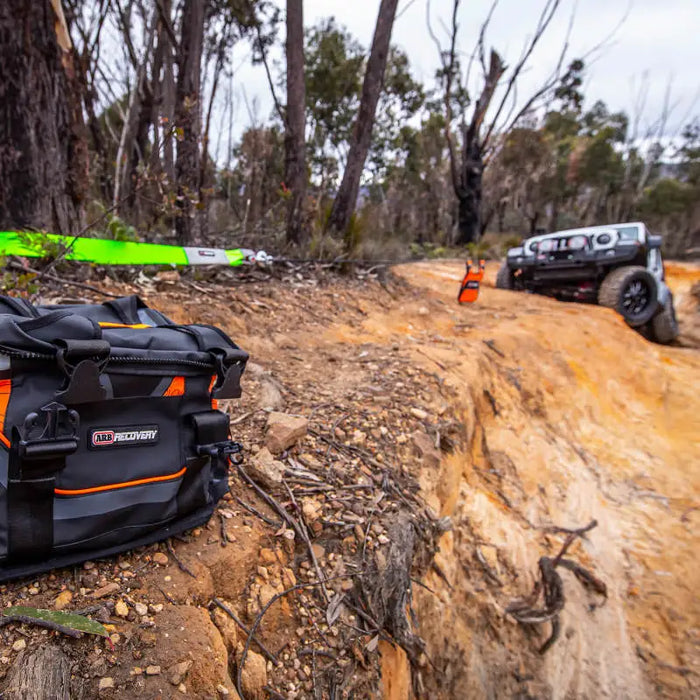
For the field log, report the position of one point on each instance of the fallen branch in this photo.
(180, 564)
(54, 278)
(270, 656)
(551, 586)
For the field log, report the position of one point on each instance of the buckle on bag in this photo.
(226, 449)
(82, 361)
(50, 433)
(229, 368)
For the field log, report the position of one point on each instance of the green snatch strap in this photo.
(102, 251)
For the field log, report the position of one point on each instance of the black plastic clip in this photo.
(229, 368)
(227, 450)
(50, 433)
(82, 361)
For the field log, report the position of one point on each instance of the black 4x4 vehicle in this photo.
(619, 266)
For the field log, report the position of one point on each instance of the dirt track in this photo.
(569, 416)
(548, 415)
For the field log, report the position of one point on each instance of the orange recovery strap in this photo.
(469, 289)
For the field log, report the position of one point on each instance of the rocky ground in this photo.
(407, 463)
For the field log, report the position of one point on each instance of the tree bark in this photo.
(469, 187)
(294, 139)
(469, 194)
(188, 121)
(43, 148)
(40, 674)
(346, 199)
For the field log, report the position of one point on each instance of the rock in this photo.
(121, 609)
(153, 670)
(312, 510)
(284, 430)
(222, 690)
(63, 600)
(33, 590)
(227, 627)
(254, 676)
(106, 683)
(106, 590)
(383, 539)
(267, 556)
(168, 276)
(178, 672)
(182, 688)
(160, 558)
(270, 395)
(141, 609)
(358, 437)
(155, 607)
(265, 469)
(318, 550)
(19, 645)
(419, 413)
(425, 448)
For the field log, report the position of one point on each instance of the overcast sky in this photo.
(657, 36)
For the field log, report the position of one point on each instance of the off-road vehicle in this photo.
(618, 265)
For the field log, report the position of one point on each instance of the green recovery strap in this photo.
(102, 251)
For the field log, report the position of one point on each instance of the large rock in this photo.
(284, 430)
(265, 469)
(227, 627)
(425, 448)
(254, 676)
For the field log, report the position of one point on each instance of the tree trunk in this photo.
(43, 148)
(346, 199)
(294, 138)
(469, 188)
(469, 194)
(168, 96)
(188, 121)
(36, 675)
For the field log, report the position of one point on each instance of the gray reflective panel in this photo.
(68, 507)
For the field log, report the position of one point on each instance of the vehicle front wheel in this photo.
(632, 292)
(505, 278)
(664, 326)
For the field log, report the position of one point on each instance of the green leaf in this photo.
(71, 621)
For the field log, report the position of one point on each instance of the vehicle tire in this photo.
(632, 292)
(664, 326)
(505, 278)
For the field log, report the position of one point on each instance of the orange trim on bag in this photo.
(123, 485)
(5, 391)
(214, 402)
(105, 324)
(176, 388)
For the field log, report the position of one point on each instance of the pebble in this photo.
(106, 683)
(153, 670)
(89, 565)
(155, 607)
(182, 688)
(383, 539)
(222, 689)
(19, 645)
(121, 608)
(33, 591)
(141, 609)
(419, 413)
(63, 599)
(160, 558)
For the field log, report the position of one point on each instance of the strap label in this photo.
(123, 436)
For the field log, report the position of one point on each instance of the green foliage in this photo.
(667, 197)
(70, 621)
(119, 230)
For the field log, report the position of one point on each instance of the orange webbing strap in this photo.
(5, 391)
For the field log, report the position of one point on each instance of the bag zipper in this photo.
(116, 359)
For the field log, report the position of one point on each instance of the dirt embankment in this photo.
(569, 416)
(515, 416)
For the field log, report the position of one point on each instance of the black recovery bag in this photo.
(110, 437)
